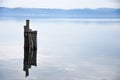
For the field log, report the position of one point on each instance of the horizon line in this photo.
(54, 8)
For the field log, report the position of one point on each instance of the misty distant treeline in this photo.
(59, 13)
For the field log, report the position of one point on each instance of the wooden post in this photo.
(30, 48)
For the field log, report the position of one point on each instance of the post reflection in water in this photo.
(30, 48)
(29, 60)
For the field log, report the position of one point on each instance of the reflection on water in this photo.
(66, 50)
(29, 59)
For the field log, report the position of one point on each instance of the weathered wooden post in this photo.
(30, 48)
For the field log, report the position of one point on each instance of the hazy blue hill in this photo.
(60, 13)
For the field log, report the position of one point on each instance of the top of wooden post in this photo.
(27, 23)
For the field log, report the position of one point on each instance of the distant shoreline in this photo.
(24, 17)
(99, 13)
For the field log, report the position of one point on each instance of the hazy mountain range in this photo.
(59, 13)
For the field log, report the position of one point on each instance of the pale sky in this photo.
(64, 4)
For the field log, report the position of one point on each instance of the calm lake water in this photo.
(68, 49)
